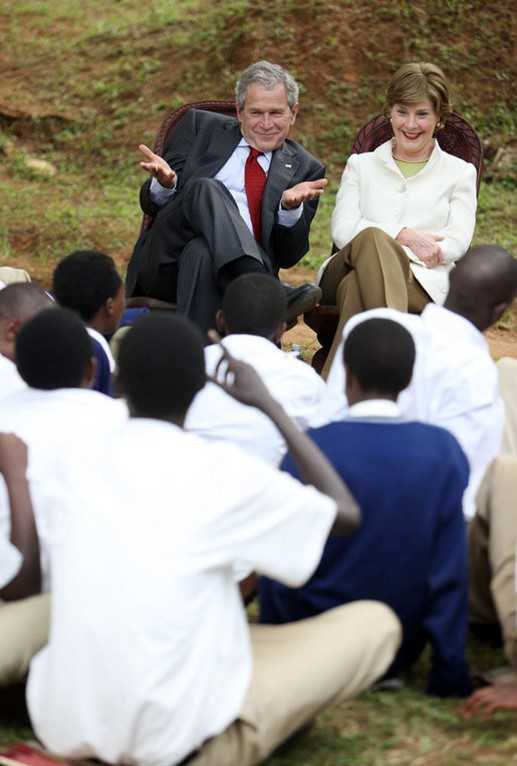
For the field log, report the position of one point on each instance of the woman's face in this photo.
(413, 127)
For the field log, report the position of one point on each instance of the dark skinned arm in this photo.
(13, 466)
(241, 382)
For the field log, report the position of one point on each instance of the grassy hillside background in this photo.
(82, 83)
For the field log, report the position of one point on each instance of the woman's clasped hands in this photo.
(424, 244)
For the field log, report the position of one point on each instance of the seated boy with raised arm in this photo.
(88, 283)
(252, 320)
(55, 414)
(408, 478)
(150, 659)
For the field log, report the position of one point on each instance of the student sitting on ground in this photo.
(455, 382)
(150, 659)
(18, 303)
(56, 415)
(408, 478)
(252, 319)
(88, 283)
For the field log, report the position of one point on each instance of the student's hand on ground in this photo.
(13, 456)
(486, 701)
(240, 380)
(424, 244)
(157, 167)
(302, 192)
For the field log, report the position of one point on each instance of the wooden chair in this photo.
(165, 131)
(457, 137)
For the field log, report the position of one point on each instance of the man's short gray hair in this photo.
(269, 76)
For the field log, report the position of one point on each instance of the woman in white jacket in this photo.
(404, 212)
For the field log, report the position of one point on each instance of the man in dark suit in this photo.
(229, 196)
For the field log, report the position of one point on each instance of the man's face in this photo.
(266, 117)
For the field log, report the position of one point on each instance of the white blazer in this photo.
(441, 198)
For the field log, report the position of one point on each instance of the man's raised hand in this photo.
(157, 167)
(302, 192)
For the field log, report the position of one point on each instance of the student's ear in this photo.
(220, 323)
(12, 327)
(117, 387)
(277, 335)
(89, 373)
(499, 309)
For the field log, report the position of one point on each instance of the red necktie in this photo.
(254, 182)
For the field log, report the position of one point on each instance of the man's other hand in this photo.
(302, 192)
(157, 167)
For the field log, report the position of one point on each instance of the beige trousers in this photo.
(370, 272)
(24, 627)
(298, 670)
(507, 370)
(492, 550)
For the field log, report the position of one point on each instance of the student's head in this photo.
(19, 302)
(378, 355)
(161, 367)
(482, 285)
(54, 350)
(253, 304)
(88, 283)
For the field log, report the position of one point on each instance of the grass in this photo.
(83, 83)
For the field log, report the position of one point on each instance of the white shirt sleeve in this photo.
(161, 194)
(10, 562)
(289, 218)
(265, 520)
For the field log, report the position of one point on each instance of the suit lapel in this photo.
(284, 164)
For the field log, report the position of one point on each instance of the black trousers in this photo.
(188, 244)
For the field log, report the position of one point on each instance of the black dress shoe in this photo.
(301, 299)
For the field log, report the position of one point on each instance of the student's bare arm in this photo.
(13, 466)
(242, 382)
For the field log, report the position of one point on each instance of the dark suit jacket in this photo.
(199, 146)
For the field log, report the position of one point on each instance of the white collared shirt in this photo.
(232, 176)
(10, 380)
(216, 415)
(147, 621)
(374, 408)
(55, 425)
(454, 384)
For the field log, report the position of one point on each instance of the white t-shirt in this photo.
(454, 385)
(10, 561)
(299, 389)
(149, 650)
(55, 425)
(10, 380)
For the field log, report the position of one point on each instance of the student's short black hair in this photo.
(254, 304)
(380, 353)
(84, 280)
(161, 366)
(22, 300)
(53, 350)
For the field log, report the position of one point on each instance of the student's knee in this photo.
(24, 628)
(377, 620)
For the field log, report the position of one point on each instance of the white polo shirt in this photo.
(149, 651)
(55, 425)
(299, 389)
(454, 385)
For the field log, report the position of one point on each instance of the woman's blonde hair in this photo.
(416, 82)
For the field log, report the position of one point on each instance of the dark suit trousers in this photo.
(191, 239)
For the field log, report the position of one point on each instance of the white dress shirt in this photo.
(454, 385)
(149, 652)
(216, 415)
(55, 425)
(232, 176)
(440, 198)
